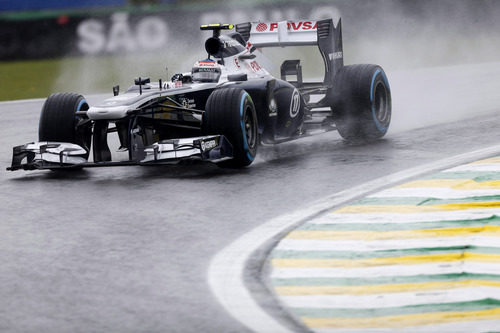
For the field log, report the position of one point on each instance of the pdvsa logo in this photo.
(261, 27)
(292, 26)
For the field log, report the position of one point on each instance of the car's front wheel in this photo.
(59, 122)
(231, 112)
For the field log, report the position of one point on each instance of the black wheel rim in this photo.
(381, 103)
(250, 128)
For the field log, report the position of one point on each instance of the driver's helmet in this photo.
(206, 70)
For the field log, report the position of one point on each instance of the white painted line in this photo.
(476, 168)
(384, 271)
(434, 192)
(390, 244)
(378, 218)
(225, 273)
(389, 300)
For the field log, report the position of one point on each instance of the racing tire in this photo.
(58, 122)
(231, 112)
(361, 103)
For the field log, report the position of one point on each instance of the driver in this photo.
(206, 70)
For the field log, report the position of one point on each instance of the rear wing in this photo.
(323, 33)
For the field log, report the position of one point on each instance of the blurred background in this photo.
(87, 46)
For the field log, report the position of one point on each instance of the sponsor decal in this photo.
(203, 69)
(295, 104)
(237, 62)
(231, 43)
(292, 26)
(207, 64)
(261, 27)
(207, 145)
(336, 55)
(187, 103)
(255, 66)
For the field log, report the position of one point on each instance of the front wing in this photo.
(63, 155)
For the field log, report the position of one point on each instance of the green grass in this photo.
(86, 75)
(27, 79)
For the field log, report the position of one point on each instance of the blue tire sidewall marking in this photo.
(243, 130)
(380, 127)
(79, 107)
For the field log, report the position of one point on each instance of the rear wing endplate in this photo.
(323, 33)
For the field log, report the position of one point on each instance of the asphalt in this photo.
(126, 249)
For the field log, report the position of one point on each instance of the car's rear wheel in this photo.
(231, 112)
(58, 121)
(361, 103)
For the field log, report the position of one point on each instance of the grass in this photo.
(27, 79)
(86, 75)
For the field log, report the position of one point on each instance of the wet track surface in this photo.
(126, 249)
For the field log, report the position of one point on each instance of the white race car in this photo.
(222, 109)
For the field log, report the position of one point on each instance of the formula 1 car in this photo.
(222, 110)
